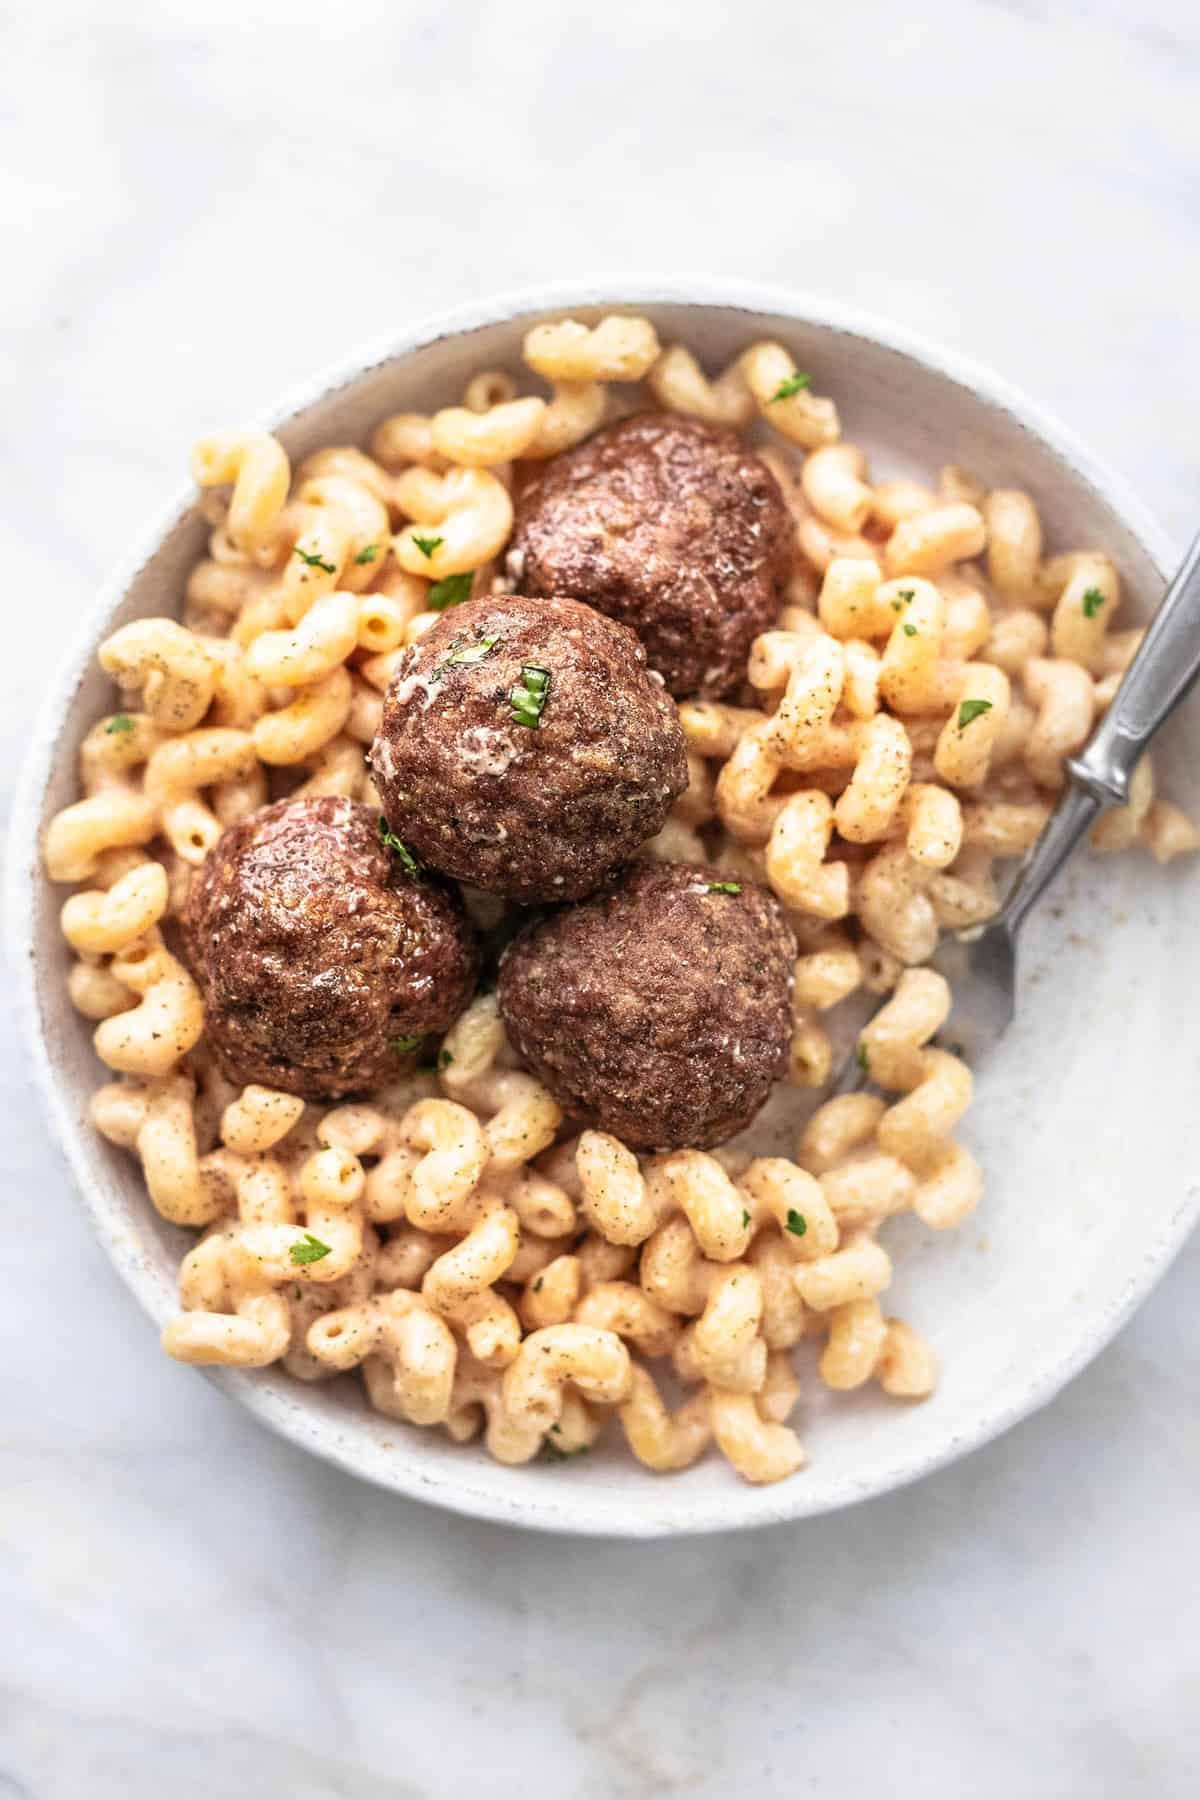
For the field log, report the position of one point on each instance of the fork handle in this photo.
(1166, 665)
(1075, 812)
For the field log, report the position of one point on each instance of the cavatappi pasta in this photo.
(487, 1271)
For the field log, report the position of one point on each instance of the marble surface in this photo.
(201, 206)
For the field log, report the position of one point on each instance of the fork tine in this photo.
(851, 1078)
(982, 971)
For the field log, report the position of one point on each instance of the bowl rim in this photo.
(536, 1509)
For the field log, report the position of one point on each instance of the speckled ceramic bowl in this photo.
(1085, 1123)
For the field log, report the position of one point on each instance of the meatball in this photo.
(672, 526)
(659, 1009)
(323, 962)
(526, 748)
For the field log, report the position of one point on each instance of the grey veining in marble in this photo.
(201, 205)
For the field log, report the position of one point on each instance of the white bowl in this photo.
(1085, 1119)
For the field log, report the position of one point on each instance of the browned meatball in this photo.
(526, 748)
(672, 526)
(659, 1009)
(322, 961)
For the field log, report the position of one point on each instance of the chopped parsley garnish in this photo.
(860, 1057)
(367, 554)
(797, 1224)
(470, 653)
(910, 631)
(310, 1249)
(529, 697)
(792, 385)
(315, 560)
(119, 725)
(724, 887)
(972, 709)
(426, 545)
(906, 594)
(445, 1058)
(554, 1452)
(1093, 600)
(404, 1045)
(745, 1218)
(398, 847)
(451, 591)
(537, 1286)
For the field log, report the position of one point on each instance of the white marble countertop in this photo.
(201, 208)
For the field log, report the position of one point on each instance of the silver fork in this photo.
(981, 962)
